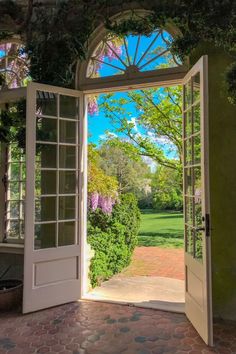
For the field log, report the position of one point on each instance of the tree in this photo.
(167, 189)
(156, 131)
(132, 175)
(102, 189)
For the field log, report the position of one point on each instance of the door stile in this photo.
(83, 182)
(29, 194)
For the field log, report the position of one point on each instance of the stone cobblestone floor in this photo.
(97, 328)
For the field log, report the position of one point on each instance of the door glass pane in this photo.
(14, 171)
(189, 235)
(197, 182)
(14, 190)
(66, 208)
(67, 132)
(47, 155)
(198, 211)
(198, 245)
(66, 233)
(45, 209)
(188, 151)
(67, 182)
(68, 107)
(196, 87)
(13, 229)
(188, 181)
(46, 129)
(45, 236)
(188, 122)
(45, 182)
(187, 95)
(67, 157)
(46, 103)
(197, 149)
(189, 210)
(13, 209)
(196, 118)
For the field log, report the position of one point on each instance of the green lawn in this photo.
(162, 229)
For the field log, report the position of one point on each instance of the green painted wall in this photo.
(222, 146)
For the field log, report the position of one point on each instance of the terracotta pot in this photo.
(10, 294)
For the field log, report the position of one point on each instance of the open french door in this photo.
(198, 300)
(53, 208)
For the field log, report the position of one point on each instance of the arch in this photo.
(14, 65)
(128, 61)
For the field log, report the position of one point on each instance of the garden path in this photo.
(156, 261)
(154, 279)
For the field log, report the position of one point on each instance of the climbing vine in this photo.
(57, 37)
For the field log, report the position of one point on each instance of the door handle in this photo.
(205, 228)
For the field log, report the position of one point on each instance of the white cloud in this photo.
(134, 122)
(107, 135)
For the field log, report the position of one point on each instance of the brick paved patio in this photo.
(97, 328)
(156, 261)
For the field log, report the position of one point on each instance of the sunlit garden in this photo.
(135, 168)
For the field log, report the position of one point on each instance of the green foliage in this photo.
(113, 237)
(132, 175)
(167, 190)
(98, 181)
(156, 128)
(12, 124)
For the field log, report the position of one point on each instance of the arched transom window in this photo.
(119, 60)
(13, 65)
(130, 54)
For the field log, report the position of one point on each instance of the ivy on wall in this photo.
(57, 37)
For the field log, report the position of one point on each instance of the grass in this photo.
(162, 229)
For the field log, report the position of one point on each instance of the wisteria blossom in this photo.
(105, 203)
(93, 198)
(113, 50)
(92, 105)
(13, 64)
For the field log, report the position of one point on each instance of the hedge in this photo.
(113, 238)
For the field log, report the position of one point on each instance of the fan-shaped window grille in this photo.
(13, 65)
(130, 54)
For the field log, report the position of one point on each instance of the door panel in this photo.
(196, 201)
(52, 238)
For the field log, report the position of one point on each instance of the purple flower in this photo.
(92, 106)
(112, 49)
(94, 197)
(106, 204)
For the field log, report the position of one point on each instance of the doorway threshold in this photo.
(160, 293)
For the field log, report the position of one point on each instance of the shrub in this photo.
(113, 238)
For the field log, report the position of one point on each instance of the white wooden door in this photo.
(196, 201)
(52, 261)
